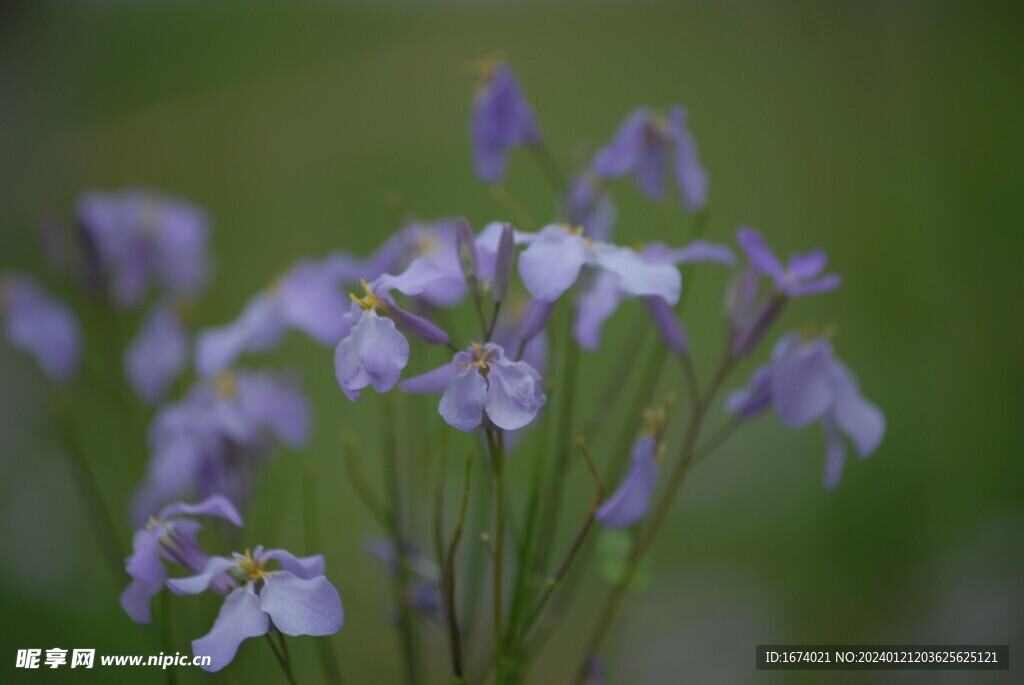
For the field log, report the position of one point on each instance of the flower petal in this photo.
(193, 585)
(217, 505)
(802, 388)
(136, 598)
(835, 455)
(594, 307)
(240, 617)
(552, 262)
(860, 419)
(759, 254)
(636, 275)
(302, 606)
(303, 567)
(462, 404)
(513, 394)
(157, 355)
(431, 382)
(630, 502)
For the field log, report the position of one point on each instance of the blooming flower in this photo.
(211, 440)
(297, 599)
(170, 536)
(749, 318)
(41, 325)
(555, 255)
(641, 148)
(306, 298)
(158, 354)
(141, 238)
(799, 277)
(482, 380)
(589, 205)
(805, 382)
(373, 351)
(598, 303)
(501, 120)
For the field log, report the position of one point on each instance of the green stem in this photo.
(657, 517)
(285, 666)
(496, 443)
(454, 637)
(407, 630)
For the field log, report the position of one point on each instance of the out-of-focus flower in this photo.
(800, 276)
(158, 354)
(373, 351)
(422, 591)
(605, 294)
(502, 119)
(629, 504)
(482, 380)
(804, 382)
(750, 318)
(306, 298)
(641, 147)
(41, 325)
(297, 599)
(555, 255)
(211, 441)
(170, 536)
(589, 205)
(143, 239)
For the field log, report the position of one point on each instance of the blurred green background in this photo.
(887, 133)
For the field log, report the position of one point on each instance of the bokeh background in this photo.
(887, 133)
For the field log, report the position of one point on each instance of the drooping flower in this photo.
(642, 146)
(751, 317)
(598, 303)
(158, 354)
(373, 351)
(555, 255)
(296, 599)
(502, 119)
(306, 298)
(629, 504)
(804, 382)
(212, 440)
(41, 325)
(170, 536)
(142, 239)
(481, 381)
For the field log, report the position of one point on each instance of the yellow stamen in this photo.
(370, 300)
(225, 384)
(253, 568)
(482, 357)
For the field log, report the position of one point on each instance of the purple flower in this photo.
(306, 298)
(641, 147)
(158, 354)
(556, 254)
(501, 120)
(801, 274)
(805, 382)
(373, 351)
(213, 439)
(41, 325)
(142, 239)
(171, 537)
(598, 303)
(482, 380)
(297, 599)
(423, 590)
(630, 502)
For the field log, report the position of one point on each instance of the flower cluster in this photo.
(142, 257)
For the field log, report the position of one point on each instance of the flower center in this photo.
(225, 385)
(482, 358)
(370, 300)
(254, 569)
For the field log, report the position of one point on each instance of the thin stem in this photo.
(285, 667)
(328, 660)
(99, 515)
(657, 517)
(494, 322)
(550, 168)
(495, 442)
(576, 545)
(454, 637)
(410, 644)
(362, 487)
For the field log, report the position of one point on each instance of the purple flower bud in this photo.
(503, 264)
(669, 326)
(502, 119)
(465, 244)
